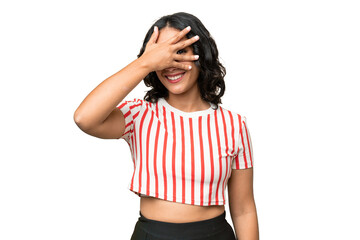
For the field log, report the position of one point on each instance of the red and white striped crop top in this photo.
(184, 157)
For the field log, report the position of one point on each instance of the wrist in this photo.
(145, 64)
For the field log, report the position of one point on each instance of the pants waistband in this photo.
(195, 229)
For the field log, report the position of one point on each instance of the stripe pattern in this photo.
(184, 157)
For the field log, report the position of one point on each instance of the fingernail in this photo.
(188, 27)
(196, 56)
(196, 37)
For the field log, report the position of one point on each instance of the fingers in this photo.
(182, 66)
(185, 43)
(154, 35)
(180, 35)
(186, 58)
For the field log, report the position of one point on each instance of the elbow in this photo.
(76, 118)
(80, 121)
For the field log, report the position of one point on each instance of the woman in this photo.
(185, 148)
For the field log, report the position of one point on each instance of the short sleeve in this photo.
(130, 110)
(244, 156)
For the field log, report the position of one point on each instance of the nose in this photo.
(171, 69)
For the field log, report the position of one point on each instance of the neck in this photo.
(187, 103)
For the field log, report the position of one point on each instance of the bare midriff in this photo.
(174, 212)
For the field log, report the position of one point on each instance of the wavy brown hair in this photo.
(211, 76)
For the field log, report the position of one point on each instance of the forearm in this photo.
(246, 226)
(102, 100)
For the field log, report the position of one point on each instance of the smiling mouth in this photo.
(175, 77)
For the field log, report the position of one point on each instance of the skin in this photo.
(242, 204)
(98, 116)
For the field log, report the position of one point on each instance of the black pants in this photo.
(216, 228)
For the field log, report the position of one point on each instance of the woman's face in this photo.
(176, 80)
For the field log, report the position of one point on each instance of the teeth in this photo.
(175, 77)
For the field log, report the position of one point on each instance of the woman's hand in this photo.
(159, 56)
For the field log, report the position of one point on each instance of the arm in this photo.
(101, 101)
(97, 114)
(242, 204)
